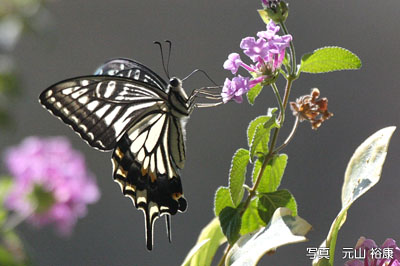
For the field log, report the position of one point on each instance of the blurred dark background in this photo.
(203, 33)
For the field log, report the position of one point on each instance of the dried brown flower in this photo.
(309, 107)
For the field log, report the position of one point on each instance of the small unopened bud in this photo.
(312, 109)
(277, 10)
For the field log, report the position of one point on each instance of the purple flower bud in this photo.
(51, 183)
(270, 3)
(235, 89)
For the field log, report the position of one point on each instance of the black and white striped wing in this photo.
(144, 166)
(124, 107)
(101, 108)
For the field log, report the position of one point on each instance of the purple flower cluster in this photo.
(377, 256)
(267, 53)
(51, 183)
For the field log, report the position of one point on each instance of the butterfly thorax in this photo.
(177, 98)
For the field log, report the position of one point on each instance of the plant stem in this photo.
(272, 151)
(267, 158)
(290, 137)
(222, 261)
(15, 219)
(279, 99)
(293, 69)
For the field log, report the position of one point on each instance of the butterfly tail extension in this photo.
(154, 193)
(168, 225)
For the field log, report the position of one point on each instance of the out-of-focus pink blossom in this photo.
(51, 183)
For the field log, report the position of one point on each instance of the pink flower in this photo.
(270, 33)
(254, 48)
(233, 63)
(267, 52)
(51, 183)
(235, 89)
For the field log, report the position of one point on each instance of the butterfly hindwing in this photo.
(142, 165)
(101, 108)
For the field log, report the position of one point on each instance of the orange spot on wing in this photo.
(119, 153)
(176, 196)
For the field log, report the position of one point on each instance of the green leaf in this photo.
(12, 250)
(251, 221)
(237, 175)
(322, 262)
(328, 59)
(9, 84)
(258, 133)
(210, 238)
(222, 200)
(251, 130)
(5, 185)
(282, 230)
(253, 93)
(286, 64)
(269, 202)
(255, 122)
(5, 118)
(6, 258)
(362, 173)
(264, 15)
(230, 223)
(272, 176)
(260, 141)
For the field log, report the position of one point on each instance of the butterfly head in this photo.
(175, 87)
(175, 82)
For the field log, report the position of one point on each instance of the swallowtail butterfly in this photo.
(128, 108)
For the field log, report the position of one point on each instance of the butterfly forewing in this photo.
(101, 108)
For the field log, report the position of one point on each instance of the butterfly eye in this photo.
(174, 82)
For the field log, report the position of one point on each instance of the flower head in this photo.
(254, 48)
(387, 254)
(51, 183)
(267, 53)
(233, 63)
(309, 107)
(270, 33)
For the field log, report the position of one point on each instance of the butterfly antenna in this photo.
(202, 71)
(162, 57)
(169, 53)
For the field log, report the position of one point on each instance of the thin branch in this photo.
(290, 137)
